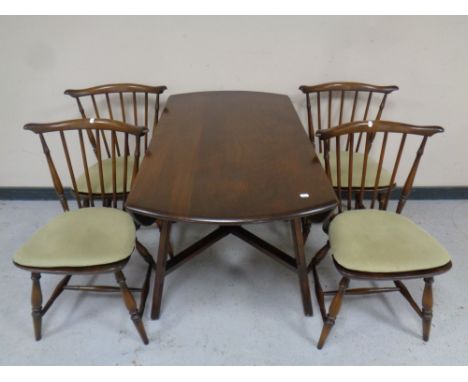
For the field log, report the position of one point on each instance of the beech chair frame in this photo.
(345, 197)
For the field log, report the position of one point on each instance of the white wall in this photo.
(427, 57)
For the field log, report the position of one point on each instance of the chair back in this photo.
(69, 135)
(335, 103)
(380, 133)
(128, 103)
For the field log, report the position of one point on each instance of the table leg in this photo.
(301, 266)
(160, 269)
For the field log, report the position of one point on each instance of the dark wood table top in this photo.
(230, 157)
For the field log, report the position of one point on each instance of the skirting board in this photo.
(419, 193)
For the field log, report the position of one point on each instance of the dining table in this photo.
(230, 159)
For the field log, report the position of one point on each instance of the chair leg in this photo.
(333, 312)
(144, 253)
(427, 302)
(36, 302)
(131, 306)
(382, 200)
(85, 201)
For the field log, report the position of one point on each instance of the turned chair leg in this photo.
(333, 312)
(427, 302)
(36, 302)
(131, 306)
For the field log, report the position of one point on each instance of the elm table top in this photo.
(230, 157)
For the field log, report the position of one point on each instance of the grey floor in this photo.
(233, 306)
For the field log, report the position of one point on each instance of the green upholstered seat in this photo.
(381, 241)
(79, 238)
(107, 176)
(358, 166)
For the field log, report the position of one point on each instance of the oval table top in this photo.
(230, 157)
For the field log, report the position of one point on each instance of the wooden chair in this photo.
(128, 103)
(125, 102)
(374, 244)
(332, 104)
(86, 240)
(359, 101)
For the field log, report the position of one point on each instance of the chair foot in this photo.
(36, 302)
(131, 306)
(427, 302)
(333, 312)
(327, 325)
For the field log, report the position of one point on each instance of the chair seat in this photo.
(358, 165)
(82, 185)
(383, 242)
(80, 238)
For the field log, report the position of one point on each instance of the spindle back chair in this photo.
(344, 238)
(371, 182)
(343, 102)
(334, 103)
(126, 102)
(97, 128)
(68, 233)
